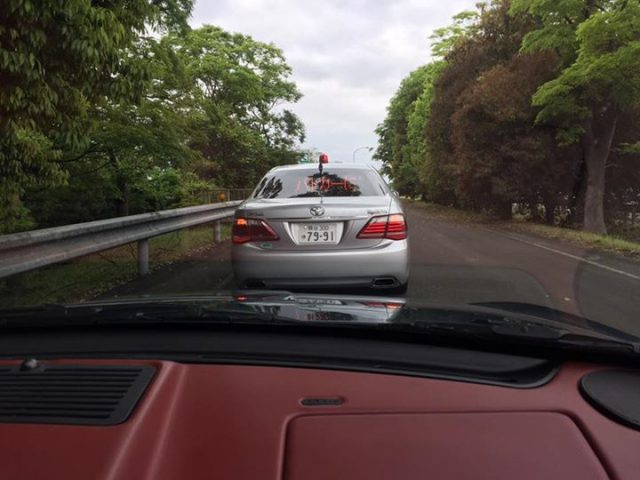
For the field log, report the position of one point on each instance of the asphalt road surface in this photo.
(455, 263)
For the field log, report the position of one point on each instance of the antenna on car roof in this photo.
(324, 158)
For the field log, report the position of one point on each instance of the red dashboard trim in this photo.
(230, 422)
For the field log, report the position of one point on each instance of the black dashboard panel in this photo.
(255, 347)
(616, 393)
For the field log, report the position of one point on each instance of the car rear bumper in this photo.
(388, 264)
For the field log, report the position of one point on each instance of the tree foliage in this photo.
(600, 42)
(401, 146)
(108, 98)
(57, 59)
(499, 150)
(394, 149)
(531, 103)
(241, 86)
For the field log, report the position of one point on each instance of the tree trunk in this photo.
(597, 145)
(549, 212)
(575, 200)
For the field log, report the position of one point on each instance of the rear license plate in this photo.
(318, 233)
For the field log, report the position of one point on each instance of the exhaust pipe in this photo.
(385, 282)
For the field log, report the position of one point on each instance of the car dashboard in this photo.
(204, 421)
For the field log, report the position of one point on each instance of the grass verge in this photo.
(87, 277)
(604, 243)
(440, 212)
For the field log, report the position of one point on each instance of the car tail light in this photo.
(389, 305)
(252, 230)
(396, 227)
(393, 227)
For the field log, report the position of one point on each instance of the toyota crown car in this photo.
(321, 225)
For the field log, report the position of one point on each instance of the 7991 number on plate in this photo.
(318, 233)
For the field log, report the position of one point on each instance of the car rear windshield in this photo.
(300, 183)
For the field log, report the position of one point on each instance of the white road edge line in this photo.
(575, 257)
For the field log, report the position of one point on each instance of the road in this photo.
(459, 263)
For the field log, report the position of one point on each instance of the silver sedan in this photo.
(332, 225)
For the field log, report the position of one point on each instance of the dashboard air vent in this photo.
(71, 394)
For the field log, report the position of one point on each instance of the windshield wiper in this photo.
(494, 328)
(551, 316)
(144, 313)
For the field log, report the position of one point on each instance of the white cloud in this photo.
(348, 56)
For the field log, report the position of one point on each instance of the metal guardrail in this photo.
(21, 252)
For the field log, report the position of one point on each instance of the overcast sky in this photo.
(348, 56)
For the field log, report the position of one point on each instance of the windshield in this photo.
(311, 183)
(425, 155)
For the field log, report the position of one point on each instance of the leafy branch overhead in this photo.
(91, 89)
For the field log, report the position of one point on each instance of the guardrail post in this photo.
(143, 257)
(218, 231)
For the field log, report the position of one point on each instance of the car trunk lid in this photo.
(290, 217)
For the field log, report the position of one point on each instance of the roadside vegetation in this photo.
(91, 276)
(606, 243)
(529, 109)
(611, 243)
(117, 108)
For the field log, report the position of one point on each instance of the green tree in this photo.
(501, 156)
(401, 144)
(126, 141)
(431, 182)
(242, 87)
(57, 60)
(445, 39)
(599, 41)
(393, 148)
(481, 45)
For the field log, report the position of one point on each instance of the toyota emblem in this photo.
(317, 211)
